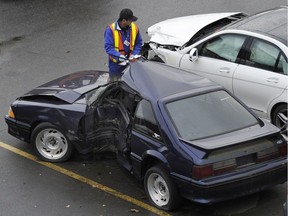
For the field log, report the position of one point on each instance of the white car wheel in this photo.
(160, 189)
(280, 119)
(50, 143)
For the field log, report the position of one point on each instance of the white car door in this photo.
(216, 59)
(263, 77)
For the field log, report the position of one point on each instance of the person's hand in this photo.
(134, 57)
(122, 58)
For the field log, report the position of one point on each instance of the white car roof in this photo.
(170, 31)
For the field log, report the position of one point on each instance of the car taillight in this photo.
(200, 172)
(272, 153)
(282, 149)
(11, 113)
(224, 166)
(267, 154)
(266, 157)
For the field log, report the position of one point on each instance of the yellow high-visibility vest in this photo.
(118, 42)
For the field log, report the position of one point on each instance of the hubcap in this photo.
(51, 144)
(158, 189)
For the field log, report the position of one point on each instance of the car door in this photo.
(146, 135)
(217, 58)
(263, 76)
(107, 120)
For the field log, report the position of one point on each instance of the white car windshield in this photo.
(209, 114)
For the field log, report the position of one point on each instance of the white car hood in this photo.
(170, 31)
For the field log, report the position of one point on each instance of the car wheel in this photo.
(160, 189)
(279, 118)
(50, 143)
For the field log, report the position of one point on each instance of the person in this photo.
(122, 42)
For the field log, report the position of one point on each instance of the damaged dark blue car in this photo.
(180, 133)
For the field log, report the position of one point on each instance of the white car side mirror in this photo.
(193, 54)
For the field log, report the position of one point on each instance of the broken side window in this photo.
(145, 121)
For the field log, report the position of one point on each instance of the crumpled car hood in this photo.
(179, 30)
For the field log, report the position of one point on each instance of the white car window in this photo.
(282, 66)
(225, 47)
(265, 56)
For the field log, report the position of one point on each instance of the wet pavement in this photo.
(44, 39)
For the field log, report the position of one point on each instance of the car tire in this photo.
(279, 117)
(50, 143)
(160, 189)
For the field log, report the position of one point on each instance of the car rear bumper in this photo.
(230, 187)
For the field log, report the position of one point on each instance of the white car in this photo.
(247, 55)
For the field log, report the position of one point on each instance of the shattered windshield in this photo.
(207, 115)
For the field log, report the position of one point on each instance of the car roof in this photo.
(152, 80)
(156, 81)
(272, 22)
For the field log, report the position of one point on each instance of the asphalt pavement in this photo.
(44, 39)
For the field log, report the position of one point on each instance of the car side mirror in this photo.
(193, 54)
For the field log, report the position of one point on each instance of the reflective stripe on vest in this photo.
(133, 35)
(118, 43)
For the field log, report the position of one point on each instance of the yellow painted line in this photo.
(85, 180)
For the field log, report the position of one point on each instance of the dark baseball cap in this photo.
(127, 14)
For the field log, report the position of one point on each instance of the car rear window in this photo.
(209, 114)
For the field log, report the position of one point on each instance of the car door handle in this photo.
(272, 79)
(224, 70)
(156, 136)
